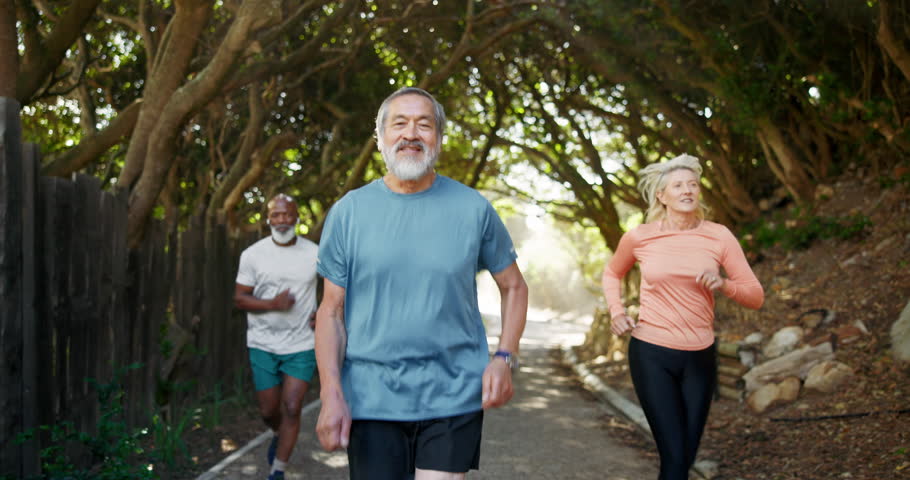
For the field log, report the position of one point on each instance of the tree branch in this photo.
(891, 43)
(90, 148)
(41, 61)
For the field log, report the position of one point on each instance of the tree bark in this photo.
(9, 50)
(166, 73)
(890, 42)
(784, 162)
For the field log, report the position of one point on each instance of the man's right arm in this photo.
(245, 300)
(334, 425)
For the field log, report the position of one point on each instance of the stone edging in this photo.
(259, 440)
(612, 397)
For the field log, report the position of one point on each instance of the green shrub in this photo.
(112, 452)
(798, 229)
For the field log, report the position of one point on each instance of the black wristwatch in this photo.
(510, 358)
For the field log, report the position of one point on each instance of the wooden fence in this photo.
(77, 303)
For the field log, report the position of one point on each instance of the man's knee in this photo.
(268, 409)
(292, 407)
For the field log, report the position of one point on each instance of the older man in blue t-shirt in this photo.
(405, 370)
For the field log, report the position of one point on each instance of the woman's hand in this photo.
(710, 280)
(621, 324)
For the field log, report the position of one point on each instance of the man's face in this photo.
(283, 215)
(408, 144)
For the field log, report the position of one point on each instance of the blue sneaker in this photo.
(270, 454)
(276, 475)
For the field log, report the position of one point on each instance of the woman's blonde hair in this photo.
(653, 179)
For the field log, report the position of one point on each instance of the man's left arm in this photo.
(497, 377)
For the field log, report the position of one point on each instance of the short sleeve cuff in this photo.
(337, 280)
(504, 265)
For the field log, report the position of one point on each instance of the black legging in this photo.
(674, 388)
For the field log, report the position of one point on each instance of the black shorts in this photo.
(383, 450)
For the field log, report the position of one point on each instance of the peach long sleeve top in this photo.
(675, 311)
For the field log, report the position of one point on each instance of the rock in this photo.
(763, 398)
(884, 244)
(858, 259)
(747, 358)
(847, 334)
(815, 317)
(789, 389)
(774, 394)
(827, 376)
(783, 341)
(823, 192)
(709, 469)
(823, 338)
(754, 338)
(900, 336)
(796, 363)
(782, 283)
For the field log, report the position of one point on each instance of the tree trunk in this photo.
(9, 56)
(731, 190)
(167, 72)
(784, 162)
(253, 16)
(891, 43)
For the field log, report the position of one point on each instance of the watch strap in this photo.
(507, 356)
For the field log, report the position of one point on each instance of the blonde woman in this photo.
(671, 352)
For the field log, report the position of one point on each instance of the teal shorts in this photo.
(268, 367)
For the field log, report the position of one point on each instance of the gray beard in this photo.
(283, 237)
(409, 168)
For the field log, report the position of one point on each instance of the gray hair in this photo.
(439, 113)
(653, 179)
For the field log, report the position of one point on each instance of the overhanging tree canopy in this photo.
(202, 109)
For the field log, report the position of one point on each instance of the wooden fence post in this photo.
(30, 162)
(10, 287)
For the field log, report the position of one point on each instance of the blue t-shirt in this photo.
(416, 346)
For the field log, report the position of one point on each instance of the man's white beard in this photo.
(284, 237)
(410, 167)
